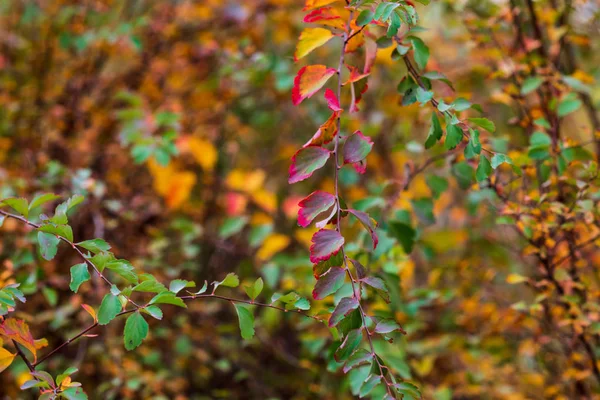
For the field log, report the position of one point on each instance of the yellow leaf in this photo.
(175, 186)
(247, 182)
(310, 39)
(6, 358)
(515, 278)
(272, 245)
(204, 153)
(310, 4)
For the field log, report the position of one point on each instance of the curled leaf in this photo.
(313, 205)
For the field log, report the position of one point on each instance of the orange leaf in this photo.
(309, 80)
(310, 39)
(90, 311)
(326, 132)
(310, 4)
(18, 331)
(6, 358)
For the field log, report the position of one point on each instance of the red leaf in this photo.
(332, 101)
(326, 243)
(325, 16)
(309, 80)
(306, 161)
(329, 283)
(313, 205)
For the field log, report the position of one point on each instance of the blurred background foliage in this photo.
(174, 119)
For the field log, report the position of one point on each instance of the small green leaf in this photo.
(18, 204)
(109, 308)
(484, 123)
(48, 245)
(454, 136)
(484, 169)
(167, 298)
(95, 245)
(364, 18)
(150, 286)
(176, 285)
(231, 280)
(124, 269)
(136, 330)
(42, 199)
(254, 290)
(421, 51)
(246, 319)
(79, 274)
(435, 132)
(531, 84)
(499, 159)
(154, 312)
(64, 231)
(568, 105)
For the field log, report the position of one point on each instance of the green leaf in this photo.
(405, 234)
(254, 290)
(350, 343)
(124, 269)
(136, 330)
(18, 204)
(150, 286)
(154, 312)
(499, 159)
(435, 132)
(176, 285)
(246, 319)
(79, 274)
(95, 245)
(48, 245)
(364, 18)
(484, 123)
(74, 393)
(167, 298)
(484, 169)
(42, 199)
(454, 136)
(109, 308)
(463, 173)
(64, 231)
(568, 105)
(231, 280)
(421, 51)
(231, 226)
(531, 84)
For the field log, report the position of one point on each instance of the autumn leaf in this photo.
(310, 39)
(326, 132)
(204, 152)
(6, 358)
(327, 16)
(310, 4)
(18, 330)
(313, 205)
(325, 243)
(309, 80)
(306, 161)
